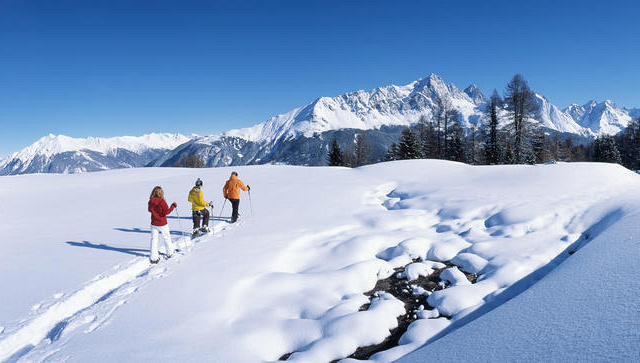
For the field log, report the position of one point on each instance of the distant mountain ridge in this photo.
(302, 136)
(63, 154)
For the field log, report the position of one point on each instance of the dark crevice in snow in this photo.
(285, 356)
(403, 290)
(55, 333)
(526, 282)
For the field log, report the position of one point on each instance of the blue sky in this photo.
(111, 68)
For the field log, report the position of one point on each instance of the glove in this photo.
(248, 187)
(210, 203)
(174, 204)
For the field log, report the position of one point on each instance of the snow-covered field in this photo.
(290, 279)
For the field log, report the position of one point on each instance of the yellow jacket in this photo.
(232, 188)
(197, 199)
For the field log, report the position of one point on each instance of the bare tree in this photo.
(349, 158)
(192, 161)
(438, 114)
(520, 101)
(444, 114)
(363, 149)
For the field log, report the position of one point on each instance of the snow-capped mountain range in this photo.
(63, 154)
(404, 105)
(302, 136)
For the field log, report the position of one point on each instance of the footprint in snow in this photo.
(157, 272)
(98, 323)
(128, 291)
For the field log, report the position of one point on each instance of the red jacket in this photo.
(159, 211)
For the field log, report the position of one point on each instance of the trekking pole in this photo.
(179, 221)
(225, 202)
(213, 223)
(250, 204)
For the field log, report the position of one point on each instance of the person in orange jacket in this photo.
(231, 191)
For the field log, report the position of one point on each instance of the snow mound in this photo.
(297, 276)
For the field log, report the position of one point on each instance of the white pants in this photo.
(154, 241)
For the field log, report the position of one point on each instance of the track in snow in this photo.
(89, 307)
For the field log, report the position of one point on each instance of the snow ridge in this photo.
(55, 144)
(601, 118)
(64, 154)
(404, 105)
(384, 106)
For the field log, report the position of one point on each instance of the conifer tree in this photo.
(492, 148)
(472, 145)
(392, 152)
(629, 145)
(509, 157)
(408, 147)
(335, 155)
(451, 117)
(423, 129)
(455, 142)
(538, 145)
(430, 142)
(605, 150)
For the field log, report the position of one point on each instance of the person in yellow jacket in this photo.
(199, 208)
(231, 191)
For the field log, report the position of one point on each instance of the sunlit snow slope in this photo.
(290, 278)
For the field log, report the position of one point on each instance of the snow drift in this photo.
(290, 279)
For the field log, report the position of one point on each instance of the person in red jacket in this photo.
(159, 211)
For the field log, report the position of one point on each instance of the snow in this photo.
(417, 269)
(454, 276)
(291, 276)
(470, 262)
(390, 105)
(55, 144)
(600, 118)
(365, 110)
(404, 105)
(553, 118)
(586, 309)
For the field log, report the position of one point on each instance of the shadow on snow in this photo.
(138, 230)
(102, 246)
(528, 281)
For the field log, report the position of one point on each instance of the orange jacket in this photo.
(232, 188)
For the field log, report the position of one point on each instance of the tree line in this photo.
(520, 140)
